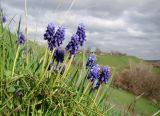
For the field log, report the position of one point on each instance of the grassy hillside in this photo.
(117, 62)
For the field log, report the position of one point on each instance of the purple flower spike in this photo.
(94, 73)
(81, 33)
(49, 32)
(21, 38)
(4, 19)
(72, 46)
(59, 55)
(104, 77)
(91, 60)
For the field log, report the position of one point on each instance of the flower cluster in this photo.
(91, 60)
(96, 76)
(21, 38)
(4, 19)
(76, 40)
(54, 39)
(59, 55)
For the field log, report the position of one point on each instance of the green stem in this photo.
(94, 101)
(97, 93)
(15, 60)
(88, 85)
(68, 67)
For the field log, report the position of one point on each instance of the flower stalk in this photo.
(15, 60)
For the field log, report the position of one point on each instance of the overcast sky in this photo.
(128, 26)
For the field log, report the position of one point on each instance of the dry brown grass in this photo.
(138, 79)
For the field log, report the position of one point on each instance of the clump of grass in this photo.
(29, 88)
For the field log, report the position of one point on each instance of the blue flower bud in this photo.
(91, 60)
(21, 38)
(4, 19)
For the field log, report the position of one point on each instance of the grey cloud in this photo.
(130, 26)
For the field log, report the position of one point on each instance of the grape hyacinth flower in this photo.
(21, 38)
(91, 60)
(81, 33)
(49, 32)
(19, 93)
(4, 19)
(54, 39)
(94, 73)
(72, 46)
(104, 77)
(59, 55)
